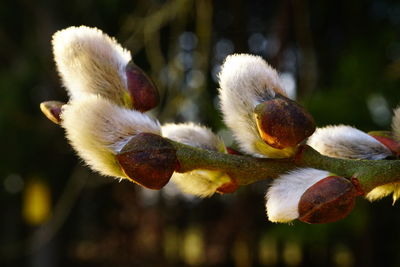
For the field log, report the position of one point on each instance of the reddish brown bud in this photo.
(233, 151)
(229, 187)
(282, 122)
(386, 138)
(52, 110)
(328, 200)
(149, 160)
(143, 92)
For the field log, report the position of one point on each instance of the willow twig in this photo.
(247, 170)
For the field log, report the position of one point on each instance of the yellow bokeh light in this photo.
(36, 205)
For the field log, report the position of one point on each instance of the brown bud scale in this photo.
(283, 123)
(233, 151)
(143, 92)
(149, 160)
(52, 110)
(229, 187)
(328, 200)
(390, 143)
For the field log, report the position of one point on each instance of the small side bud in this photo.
(388, 140)
(149, 160)
(329, 200)
(143, 92)
(52, 110)
(232, 151)
(283, 123)
(228, 187)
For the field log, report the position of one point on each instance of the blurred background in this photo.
(340, 59)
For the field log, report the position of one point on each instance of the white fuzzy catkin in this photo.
(98, 129)
(246, 81)
(283, 197)
(91, 62)
(343, 141)
(199, 182)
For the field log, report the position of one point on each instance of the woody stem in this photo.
(247, 170)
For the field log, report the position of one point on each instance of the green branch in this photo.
(247, 170)
(244, 169)
(370, 173)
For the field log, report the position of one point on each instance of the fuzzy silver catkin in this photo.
(343, 141)
(199, 182)
(98, 129)
(91, 62)
(246, 81)
(283, 196)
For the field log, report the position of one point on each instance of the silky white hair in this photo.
(91, 62)
(193, 135)
(202, 183)
(198, 182)
(246, 81)
(343, 141)
(283, 197)
(98, 129)
(384, 191)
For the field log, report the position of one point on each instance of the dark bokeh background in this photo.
(342, 58)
